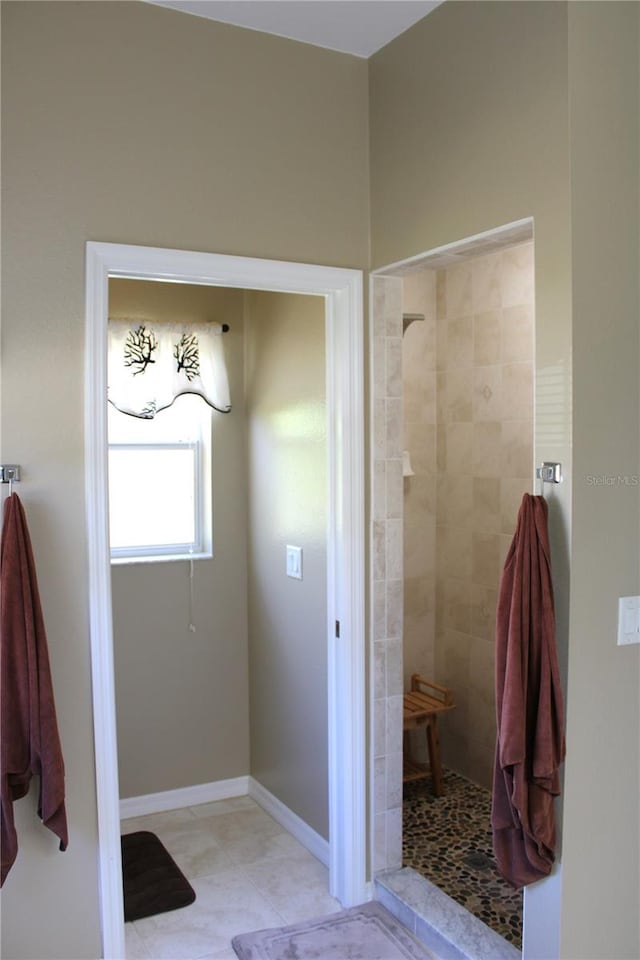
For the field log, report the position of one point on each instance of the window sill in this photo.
(160, 558)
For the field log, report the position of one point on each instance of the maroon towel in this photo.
(530, 743)
(30, 741)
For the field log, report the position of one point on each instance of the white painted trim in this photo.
(342, 289)
(183, 797)
(290, 821)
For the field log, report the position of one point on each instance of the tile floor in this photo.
(448, 840)
(247, 872)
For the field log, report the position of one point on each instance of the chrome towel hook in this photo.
(549, 472)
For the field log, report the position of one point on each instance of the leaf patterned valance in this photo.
(150, 364)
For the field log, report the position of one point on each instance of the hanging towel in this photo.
(30, 741)
(530, 742)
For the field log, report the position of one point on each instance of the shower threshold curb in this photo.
(442, 924)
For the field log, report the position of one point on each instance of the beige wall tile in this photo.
(393, 414)
(459, 294)
(517, 448)
(379, 490)
(379, 550)
(487, 293)
(393, 368)
(517, 391)
(379, 610)
(419, 292)
(458, 449)
(487, 335)
(393, 489)
(454, 551)
(459, 387)
(517, 275)
(380, 669)
(517, 333)
(460, 342)
(455, 500)
(486, 559)
(441, 293)
(442, 337)
(483, 611)
(457, 606)
(395, 596)
(379, 429)
(394, 667)
(393, 541)
(486, 449)
(379, 367)
(486, 504)
(487, 393)
(419, 546)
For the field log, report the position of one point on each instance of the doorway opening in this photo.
(342, 293)
(455, 330)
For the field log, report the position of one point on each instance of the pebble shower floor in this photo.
(448, 840)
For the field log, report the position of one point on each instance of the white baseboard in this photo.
(183, 797)
(291, 822)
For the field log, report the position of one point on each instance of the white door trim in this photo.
(342, 290)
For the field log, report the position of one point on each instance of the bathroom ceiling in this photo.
(359, 27)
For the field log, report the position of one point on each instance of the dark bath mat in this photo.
(151, 879)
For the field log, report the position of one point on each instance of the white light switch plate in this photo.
(628, 620)
(294, 562)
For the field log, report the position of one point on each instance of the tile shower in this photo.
(455, 390)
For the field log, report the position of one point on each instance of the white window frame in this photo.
(200, 547)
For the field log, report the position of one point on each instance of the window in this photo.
(160, 483)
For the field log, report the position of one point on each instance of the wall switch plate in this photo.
(628, 620)
(294, 562)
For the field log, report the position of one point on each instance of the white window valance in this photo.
(150, 364)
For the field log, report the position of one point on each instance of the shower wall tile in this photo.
(379, 610)
(379, 490)
(458, 448)
(487, 392)
(517, 448)
(393, 366)
(486, 567)
(516, 266)
(387, 561)
(487, 332)
(458, 291)
(487, 286)
(394, 668)
(517, 333)
(460, 342)
(487, 448)
(458, 404)
(379, 669)
(395, 591)
(393, 421)
(393, 489)
(517, 390)
(485, 325)
(484, 602)
(379, 429)
(486, 504)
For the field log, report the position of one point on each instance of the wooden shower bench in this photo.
(421, 707)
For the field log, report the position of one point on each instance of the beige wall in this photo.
(182, 697)
(287, 464)
(480, 115)
(602, 796)
(129, 123)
